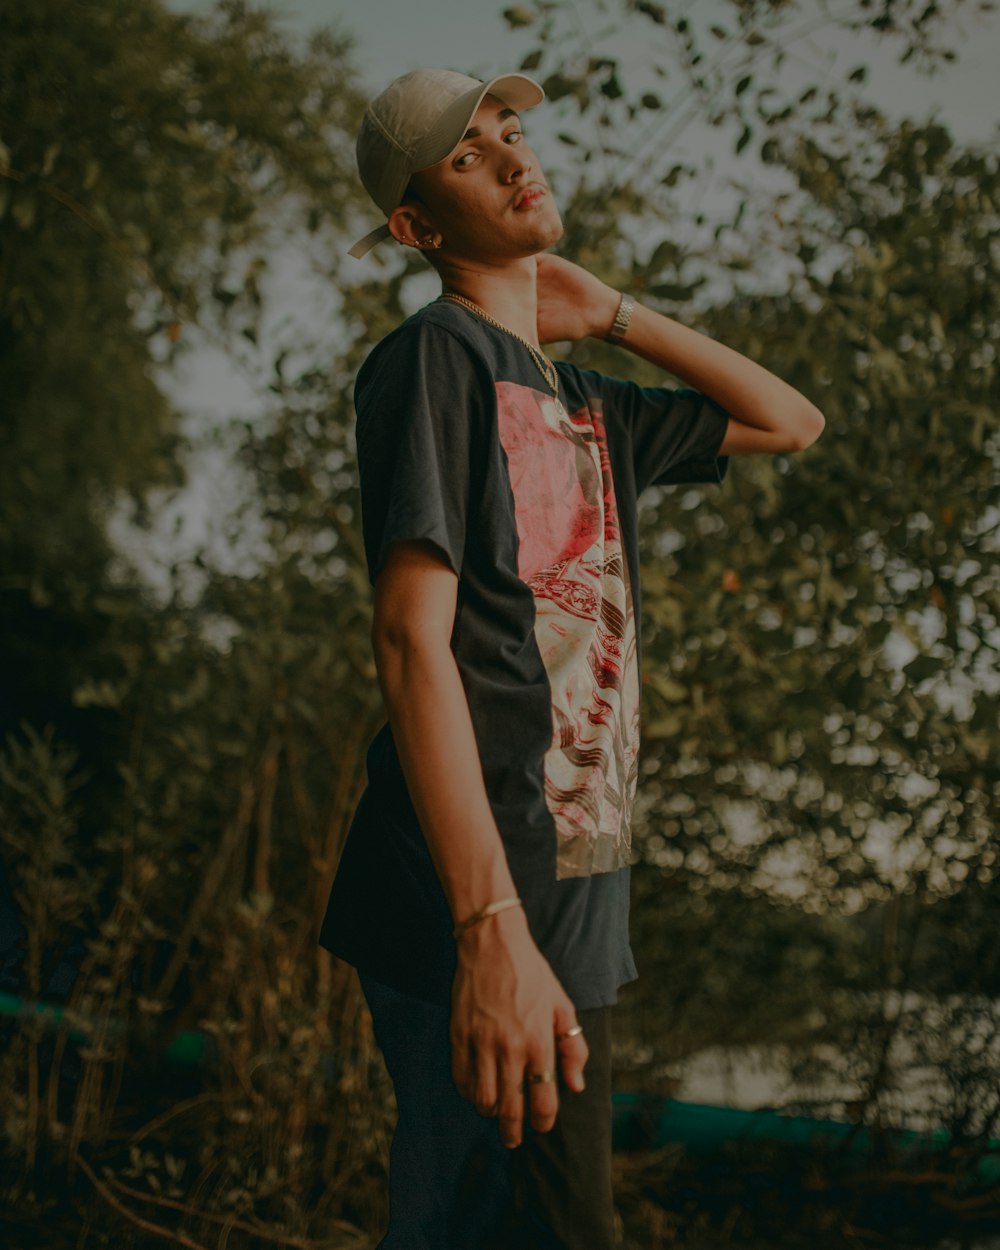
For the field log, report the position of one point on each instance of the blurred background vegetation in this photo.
(816, 886)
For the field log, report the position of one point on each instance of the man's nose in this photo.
(515, 164)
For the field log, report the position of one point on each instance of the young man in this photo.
(483, 890)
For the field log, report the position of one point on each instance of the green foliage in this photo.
(144, 156)
(833, 620)
(145, 160)
(51, 886)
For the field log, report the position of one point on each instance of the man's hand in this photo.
(572, 303)
(506, 1008)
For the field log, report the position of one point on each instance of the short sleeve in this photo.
(675, 432)
(420, 401)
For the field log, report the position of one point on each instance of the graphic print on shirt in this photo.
(571, 555)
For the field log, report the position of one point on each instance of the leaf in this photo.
(556, 86)
(744, 139)
(49, 160)
(23, 210)
(664, 727)
(532, 60)
(656, 12)
(922, 667)
(518, 15)
(670, 689)
(96, 694)
(665, 253)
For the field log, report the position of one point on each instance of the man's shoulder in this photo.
(585, 377)
(589, 383)
(441, 321)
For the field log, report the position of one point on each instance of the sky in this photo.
(393, 36)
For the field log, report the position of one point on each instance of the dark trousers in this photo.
(453, 1185)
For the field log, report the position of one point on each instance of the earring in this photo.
(429, 243)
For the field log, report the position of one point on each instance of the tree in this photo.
(147, 160)
(158, 788)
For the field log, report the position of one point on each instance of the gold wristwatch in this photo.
(626, 307)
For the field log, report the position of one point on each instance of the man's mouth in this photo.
(529, 196)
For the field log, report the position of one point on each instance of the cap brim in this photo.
(518, 91)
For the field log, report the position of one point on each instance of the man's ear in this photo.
(409, 225)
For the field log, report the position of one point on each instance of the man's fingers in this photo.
(474, 1071)
(496, 1076)
(512, 1099)
(484, 1090)
(462, 1070)
(573, 1050)
(523, 1100)
(543, 1096)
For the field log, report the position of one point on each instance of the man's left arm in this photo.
(766, 414)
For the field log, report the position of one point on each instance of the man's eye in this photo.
(516, 133)
(463, 159)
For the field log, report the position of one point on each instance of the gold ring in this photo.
(536, 1078)
(575, 1031)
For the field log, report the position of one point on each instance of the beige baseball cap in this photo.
(416, 121)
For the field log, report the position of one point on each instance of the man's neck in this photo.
(508, 294)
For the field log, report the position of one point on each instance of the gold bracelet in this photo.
(626, 307)
(488, 910)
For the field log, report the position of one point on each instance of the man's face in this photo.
(489, 198)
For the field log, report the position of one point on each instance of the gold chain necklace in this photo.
(545, 366)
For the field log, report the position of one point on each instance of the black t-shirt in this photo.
(532, 501)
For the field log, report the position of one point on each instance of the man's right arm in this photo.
(507, 1004)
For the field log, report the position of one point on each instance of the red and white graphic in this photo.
(571, 556)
